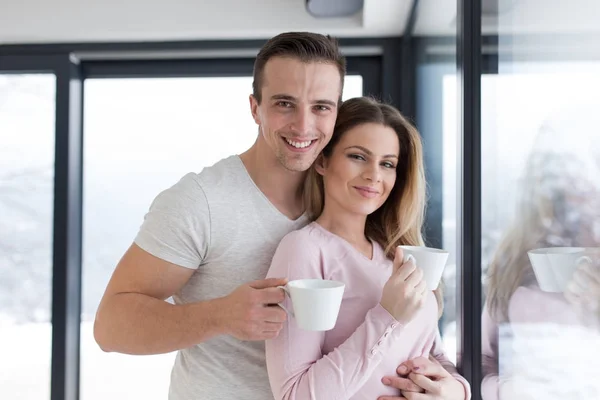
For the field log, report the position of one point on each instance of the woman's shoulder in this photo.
(315, 239)
(306, 238)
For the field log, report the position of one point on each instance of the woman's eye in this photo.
(388, 165)
(357, 157)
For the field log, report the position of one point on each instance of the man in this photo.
(208, 240)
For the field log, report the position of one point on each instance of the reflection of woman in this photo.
(558, 206)
(367, 193)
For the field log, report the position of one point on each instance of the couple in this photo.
(209, 240)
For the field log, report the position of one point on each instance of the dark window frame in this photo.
(67, 217)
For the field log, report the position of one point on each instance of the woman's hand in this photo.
(404, 292)
(430, 381)
(583, 292)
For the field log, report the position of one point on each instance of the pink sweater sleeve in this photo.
(489, 356)
(297, 367)
(439, 354)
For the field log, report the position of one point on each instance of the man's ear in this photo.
(254, 109)
(321, 164)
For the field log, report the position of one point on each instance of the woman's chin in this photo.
(363, 209)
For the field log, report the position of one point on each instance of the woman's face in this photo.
(361, 171)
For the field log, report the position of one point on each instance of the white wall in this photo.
(46, 21)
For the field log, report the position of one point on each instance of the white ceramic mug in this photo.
(431, 261)
(315, 302)
(554, 266)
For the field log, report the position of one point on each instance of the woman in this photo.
(526, 331)
(366, 196)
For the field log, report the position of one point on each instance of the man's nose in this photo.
(303, 121)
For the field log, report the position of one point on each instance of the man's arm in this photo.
(134, 318)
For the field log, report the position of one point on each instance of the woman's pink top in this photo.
(367, 343)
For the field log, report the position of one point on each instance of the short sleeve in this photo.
(177, 226)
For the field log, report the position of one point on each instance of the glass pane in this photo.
(27, 110)
(436, 120)
(450, 190)
(141, 136)
(541, 205)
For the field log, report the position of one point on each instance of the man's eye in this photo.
(284, 104)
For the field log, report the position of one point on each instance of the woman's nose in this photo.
(372, 173)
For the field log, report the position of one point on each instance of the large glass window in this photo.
(537, 150)
(541, 190)
(141, 136)
(27, 110)
(540, 193)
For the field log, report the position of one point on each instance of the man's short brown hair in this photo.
(305, 46)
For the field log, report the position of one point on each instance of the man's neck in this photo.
(282, 187)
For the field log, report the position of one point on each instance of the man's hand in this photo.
(431, 379)
(404, 384)
(250, 312)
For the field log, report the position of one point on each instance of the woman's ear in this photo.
(321, 164)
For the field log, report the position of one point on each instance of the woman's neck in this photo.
(348, 226)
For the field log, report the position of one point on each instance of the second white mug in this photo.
(431, 261)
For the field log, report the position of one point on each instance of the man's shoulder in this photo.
(224, 174)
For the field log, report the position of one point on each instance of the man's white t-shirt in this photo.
(221, 225)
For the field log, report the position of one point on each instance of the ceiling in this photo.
(52, 21)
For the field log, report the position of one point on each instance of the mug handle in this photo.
(583, 259)
(287, 292)
(409, 257)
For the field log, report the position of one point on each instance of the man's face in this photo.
(298, 109)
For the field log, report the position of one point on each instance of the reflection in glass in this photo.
(541, 223)
(141, 136)
(27, 110)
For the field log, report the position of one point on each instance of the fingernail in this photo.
(416, 368)
(386, 381)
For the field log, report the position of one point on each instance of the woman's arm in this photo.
(435, 377)
(297, 367)
(439, 354)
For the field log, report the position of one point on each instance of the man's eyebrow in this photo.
(287, 97)
(283, 97)
(369, 152)
(327, 102)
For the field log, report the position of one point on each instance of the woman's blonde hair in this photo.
(399, 220)
(557, 206)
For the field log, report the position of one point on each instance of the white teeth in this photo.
(298, 145)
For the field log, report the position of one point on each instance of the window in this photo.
(27, 112)
(540, 189)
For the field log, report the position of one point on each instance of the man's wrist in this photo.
(209, 318)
